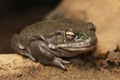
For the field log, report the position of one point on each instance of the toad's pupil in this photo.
(70, 37)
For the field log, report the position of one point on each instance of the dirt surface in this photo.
(104, 64)
(15, 67)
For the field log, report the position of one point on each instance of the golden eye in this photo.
(70, 35)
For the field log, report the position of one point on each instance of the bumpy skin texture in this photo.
(48, 41)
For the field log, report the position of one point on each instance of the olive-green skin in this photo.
(46, 41)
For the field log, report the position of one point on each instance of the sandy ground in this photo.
(104, 64)
(15, 67)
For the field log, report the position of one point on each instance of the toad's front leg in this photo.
(41, 51)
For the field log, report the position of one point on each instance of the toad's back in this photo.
(46, 27)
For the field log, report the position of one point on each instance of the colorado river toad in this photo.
(50, 40)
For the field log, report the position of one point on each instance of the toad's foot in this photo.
(59, 62)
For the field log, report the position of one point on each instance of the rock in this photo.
(14, 64)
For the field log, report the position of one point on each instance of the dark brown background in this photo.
(16, 14)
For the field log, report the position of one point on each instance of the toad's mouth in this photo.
(77, 47)
(74, 49)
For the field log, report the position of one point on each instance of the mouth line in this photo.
(83, 49)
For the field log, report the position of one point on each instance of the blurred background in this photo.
(16, 14)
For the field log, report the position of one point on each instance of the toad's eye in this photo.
(70, 35)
